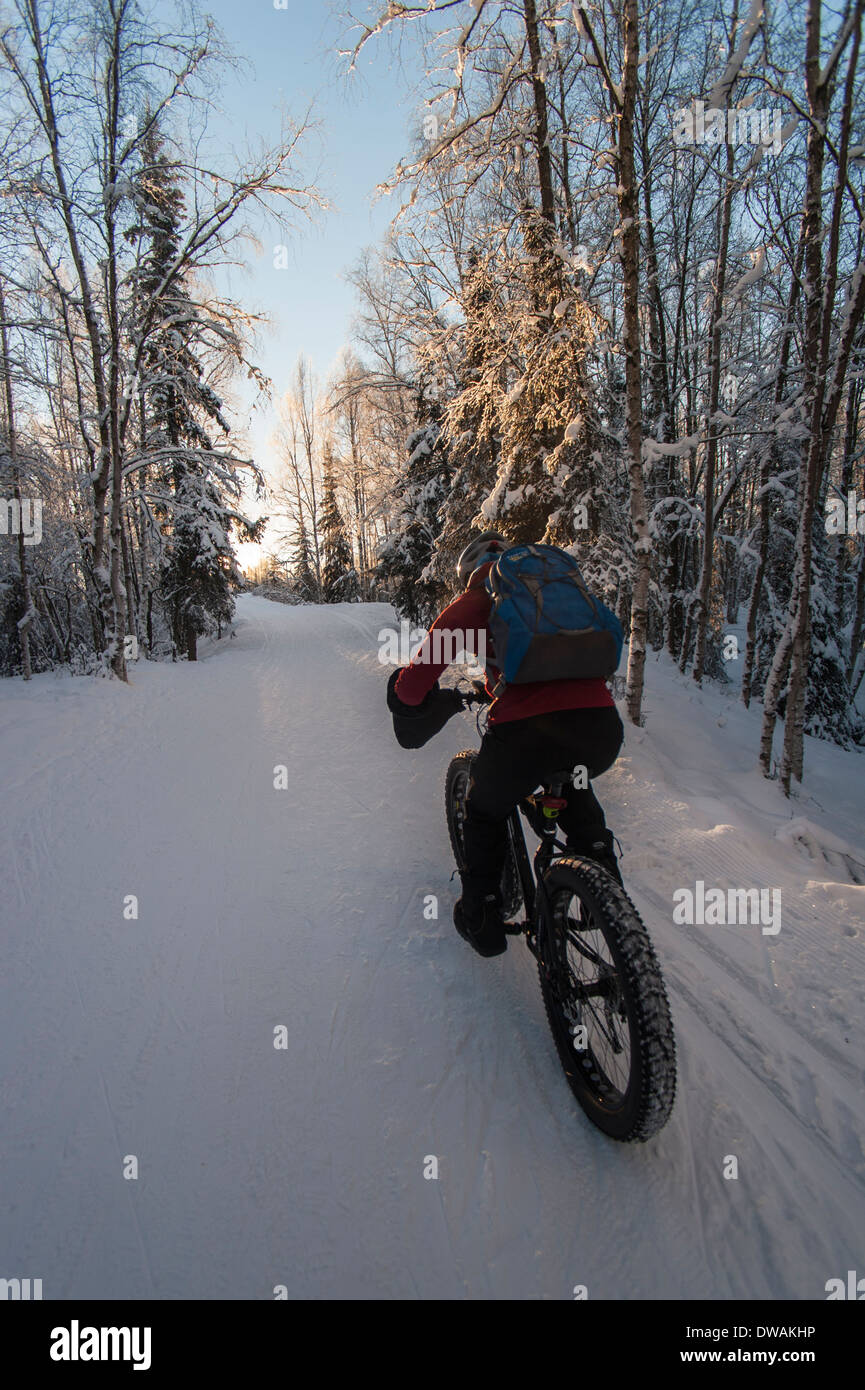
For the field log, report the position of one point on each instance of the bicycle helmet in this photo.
(477, 552)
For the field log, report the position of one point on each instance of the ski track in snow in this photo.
(304, 908)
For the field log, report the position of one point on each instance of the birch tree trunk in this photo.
(704, 592)
(119, 595)
(628, 208)
(26, 619)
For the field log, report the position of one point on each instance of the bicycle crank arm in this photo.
(526, 930)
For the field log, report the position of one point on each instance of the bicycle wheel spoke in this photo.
(608, 1048)
(589, 994)
(584, 950)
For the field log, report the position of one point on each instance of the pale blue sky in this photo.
(365, 122)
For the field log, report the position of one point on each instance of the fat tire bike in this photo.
(600, 979)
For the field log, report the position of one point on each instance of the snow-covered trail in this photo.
(303, 1166)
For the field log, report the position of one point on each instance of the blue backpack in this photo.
(544, 623)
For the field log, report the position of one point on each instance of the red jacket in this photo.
(467, 617)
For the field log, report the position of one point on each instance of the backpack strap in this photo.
(492, 587)
(535, 585)
(577, 575)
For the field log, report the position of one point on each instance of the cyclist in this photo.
(534, 731)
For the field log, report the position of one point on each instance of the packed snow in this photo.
(283, 1040)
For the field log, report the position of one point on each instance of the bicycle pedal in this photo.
(514, 928)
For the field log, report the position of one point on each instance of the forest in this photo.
(619, 309)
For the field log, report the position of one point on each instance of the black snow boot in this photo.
(601, 849)
(479, 921)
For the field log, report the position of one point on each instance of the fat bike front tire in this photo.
(606, 1002)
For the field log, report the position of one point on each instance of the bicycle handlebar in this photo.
(475, 697)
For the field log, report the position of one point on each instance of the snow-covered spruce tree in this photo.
(339, 576)
(196, 486)
(199, 569)
(470, 419)
(829, 713)
(550, 482)
(303, 580)
(405, 556)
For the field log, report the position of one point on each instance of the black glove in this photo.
(415, 725)
(450, 700)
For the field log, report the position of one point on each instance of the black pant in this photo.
(514, 759)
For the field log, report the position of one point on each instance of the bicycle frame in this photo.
(532, 872)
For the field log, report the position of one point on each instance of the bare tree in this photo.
(90, 117)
